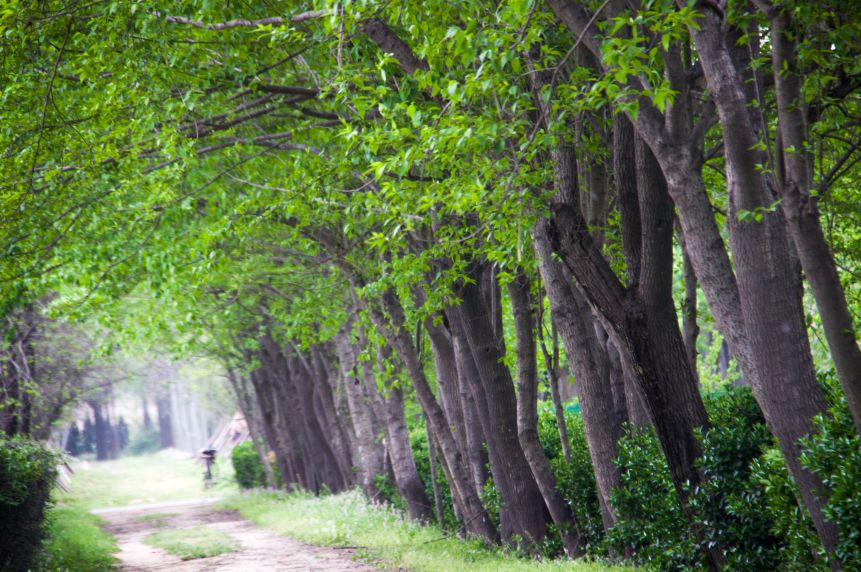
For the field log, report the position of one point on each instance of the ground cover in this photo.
(165, 476)
(75, 539)
(383, 536)
(193, 542)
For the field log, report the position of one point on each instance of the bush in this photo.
(75, 541)
(575, 480)
(834, 453)
(724, 511)
(27, 472)
(247, 466)
(143, 443)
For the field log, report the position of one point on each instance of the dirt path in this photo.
(259, 549)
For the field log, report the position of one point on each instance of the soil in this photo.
(259, 549)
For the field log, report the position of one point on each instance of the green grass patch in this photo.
(75, 541)
(156, 518)
(193, 542)
(141, 480)
(385, 536)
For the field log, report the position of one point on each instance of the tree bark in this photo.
(165, 426)
(335, 428)
(769, 286)
(802, 215)
(588, 364)
(407, 478)
(520, 492)
(371, 460)
(527, 416)
(551, 364)
(476, 521)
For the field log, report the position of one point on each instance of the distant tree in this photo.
(88, 438)
(73, 441)
(122, 433)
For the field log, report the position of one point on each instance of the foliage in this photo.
(247, 468)
(27, 472)
(720, 512)
(194, 542)
(74, 540)
(834, 453)
(575, 480)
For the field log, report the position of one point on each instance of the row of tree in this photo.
(362, 207)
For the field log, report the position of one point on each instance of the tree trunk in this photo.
(551, 364)
(101, 430)
(802, 216)
(520, 492)
(371, 460)
(165, 425)
(460, 408)
(527, 416)
(407, 478)
(437, 495)
(301, 376)
(475, 518)
(769, 286)
(588, 363)
(335, 429)
(690, 329)
(246, 406)
(264, 395)
(147, 420)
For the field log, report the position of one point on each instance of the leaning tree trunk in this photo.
(527, 417)
(520, 492)
(588, 362)
(460, 408)
(407, 477)
(802, 216)
(769, 285)
(475, 517)
(371, 454)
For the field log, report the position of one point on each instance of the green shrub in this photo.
(724, 511)
(575, 480)
(144, 442)
(419, 446)
(247, 466)
(75, 541)
(27, 472)
(834, 453)
(771, 491)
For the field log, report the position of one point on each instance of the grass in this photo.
(383, 536)
(75, 541)
(153, 516)
(193, 542)
(140, 480)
